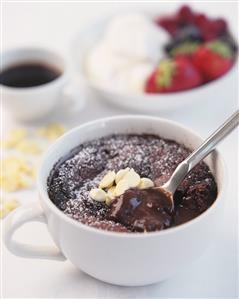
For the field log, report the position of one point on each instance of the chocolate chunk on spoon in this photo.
(142, 210)
(150, 209)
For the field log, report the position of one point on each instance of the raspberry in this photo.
(201, 20)
(169, 24)
(219, 26)
(185, 15)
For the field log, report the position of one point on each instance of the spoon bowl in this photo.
(168, 189)
(152, 208)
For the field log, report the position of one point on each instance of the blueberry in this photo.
(185, 34)
(188, 33)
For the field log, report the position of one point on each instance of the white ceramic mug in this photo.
(30, 103)
(129, 259)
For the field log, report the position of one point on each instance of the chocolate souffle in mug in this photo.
(120, 257)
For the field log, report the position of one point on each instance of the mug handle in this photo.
(14, 221)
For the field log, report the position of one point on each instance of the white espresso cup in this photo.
(30, 103)
(129, 259)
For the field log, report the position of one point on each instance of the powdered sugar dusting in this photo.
(74, 176)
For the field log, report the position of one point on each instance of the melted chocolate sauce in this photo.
(142, 210)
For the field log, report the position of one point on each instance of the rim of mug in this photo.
(57, 81)
(44, 195)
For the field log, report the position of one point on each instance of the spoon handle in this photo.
(210, 143)
(200, 153)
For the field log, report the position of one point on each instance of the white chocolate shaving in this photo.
(98, 194)
(108, 180)
(132, 178)
(145, 183)
(120, 174)
(121, 187)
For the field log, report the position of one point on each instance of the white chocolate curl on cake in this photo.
(115, 184)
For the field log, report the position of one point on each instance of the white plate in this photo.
(213, 91)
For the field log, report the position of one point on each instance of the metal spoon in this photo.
(168, 189)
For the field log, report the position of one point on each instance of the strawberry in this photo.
(213, 59)
(173, 75)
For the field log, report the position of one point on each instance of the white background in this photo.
(215, 274)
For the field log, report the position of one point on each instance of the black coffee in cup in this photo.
(28, 75)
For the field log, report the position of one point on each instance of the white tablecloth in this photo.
(215, 274)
